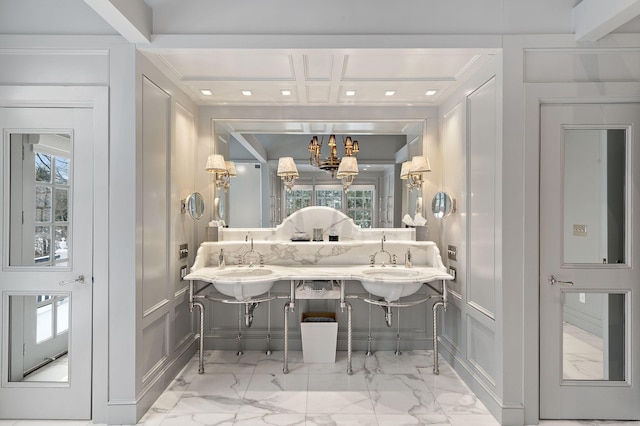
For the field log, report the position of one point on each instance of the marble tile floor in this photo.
(384, 389)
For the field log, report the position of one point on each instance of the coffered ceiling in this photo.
(371, 77)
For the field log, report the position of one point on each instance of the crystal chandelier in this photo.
(332, 162)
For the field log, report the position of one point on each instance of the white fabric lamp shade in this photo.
(420, 164)
(348, 167)
(287, 167)
(231, 168)
(404, 171)
(215, 164)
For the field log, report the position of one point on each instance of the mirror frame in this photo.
(195, 205)
(441, 211)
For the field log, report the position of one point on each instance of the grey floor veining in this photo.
(251, 389)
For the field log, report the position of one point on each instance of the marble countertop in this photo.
(389, 273)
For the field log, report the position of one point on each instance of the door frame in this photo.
(536, 94)
(96, 98)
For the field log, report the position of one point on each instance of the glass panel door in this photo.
(46, 177)
(589, 364)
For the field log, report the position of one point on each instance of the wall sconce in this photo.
(223, 171)
(412, 171)
(287, 171)
(347, 171)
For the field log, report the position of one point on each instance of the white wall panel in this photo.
(481, 348)
(155, 165)
(51, 66)
(481, 145)
(581, 65)
(51, 17)
(154, 346)
(454, 182)
(182, 177)
(452, 326)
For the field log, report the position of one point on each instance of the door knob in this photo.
(79, 280)
(554, 281)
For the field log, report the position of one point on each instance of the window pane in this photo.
(42, 244)
(44, 323)
(62, 315)
(62, 171)
(43, 203)
(61, 205)
(62, 245)
(43, 168)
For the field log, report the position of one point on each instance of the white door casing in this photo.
(589, 363)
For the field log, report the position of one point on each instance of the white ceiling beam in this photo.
(133, 19)
(594, 19)
(253, 145)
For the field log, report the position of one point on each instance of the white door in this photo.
(46, 278)
(589, 260)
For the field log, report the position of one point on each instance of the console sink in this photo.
(243, 283)
(390, 283)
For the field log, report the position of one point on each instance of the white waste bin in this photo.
(319, 337)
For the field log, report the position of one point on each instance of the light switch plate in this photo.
(452, 252)
(452, 271)
(183, 251)
(183, 272)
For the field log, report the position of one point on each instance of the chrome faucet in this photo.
(392, 258)
(248, 237)
(407, 259)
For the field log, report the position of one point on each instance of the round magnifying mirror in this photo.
(195, 205)
(442, 205)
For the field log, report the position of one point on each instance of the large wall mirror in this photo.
(595, 201)
(377, 197)
(39, 338)
(40, 199)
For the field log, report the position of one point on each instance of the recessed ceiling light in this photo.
(390, 93)
(206, 92)
(285, 92)
(431, 92)
(350, 93)
(247, 92)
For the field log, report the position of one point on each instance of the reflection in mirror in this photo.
(39, 338)
(594, 336)
(442, 205)
(260, 200)
(195, 205)
(40, 196)
(594, 196)
(218, 207)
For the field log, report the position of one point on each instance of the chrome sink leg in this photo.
(397, 352)
(369, 353)
(201, 338)
(436, 367)
(285, 367)
(268, 351)
(239, 331)
(349, 339)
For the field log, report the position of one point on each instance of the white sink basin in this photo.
(390, 283)
(243, 283)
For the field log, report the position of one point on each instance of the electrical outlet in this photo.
(582, 297)
(452, 272)
(183, 272)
